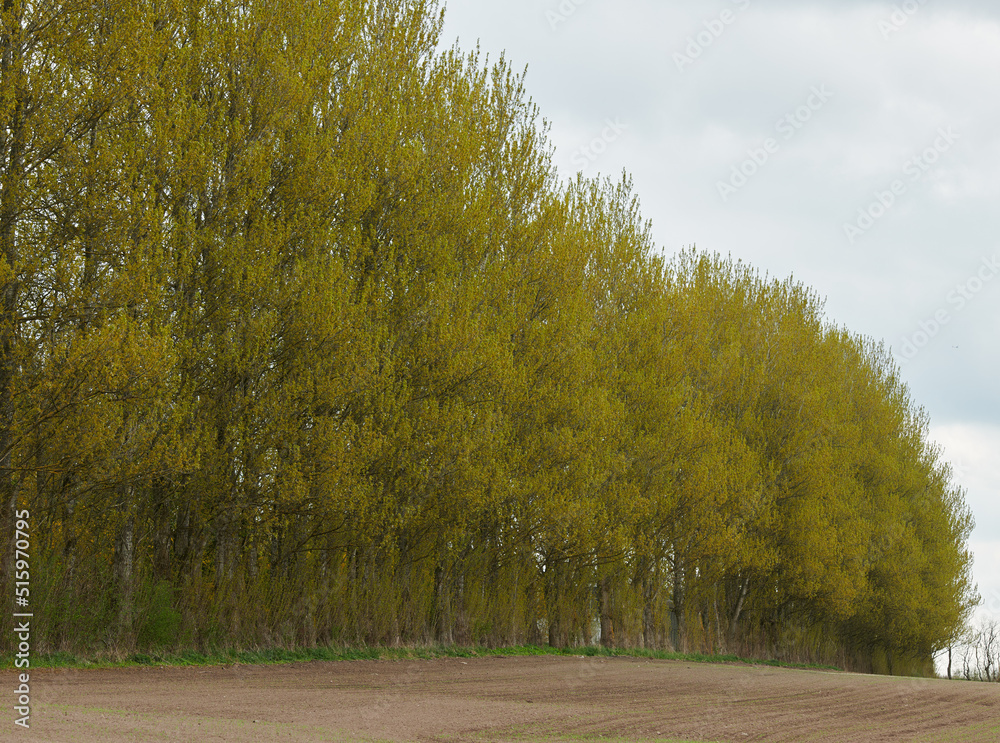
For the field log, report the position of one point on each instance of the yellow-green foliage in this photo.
(304, 341)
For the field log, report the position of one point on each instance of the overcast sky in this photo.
(852, 144)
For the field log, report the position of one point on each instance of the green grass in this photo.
(276, 655)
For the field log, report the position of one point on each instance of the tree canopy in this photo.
(304, 340)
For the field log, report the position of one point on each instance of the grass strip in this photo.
(267, 656)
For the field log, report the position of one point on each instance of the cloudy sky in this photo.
(852, 144)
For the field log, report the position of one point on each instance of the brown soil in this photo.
(499, 699)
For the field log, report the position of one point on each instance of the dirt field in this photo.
(499, 699)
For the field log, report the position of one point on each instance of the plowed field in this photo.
(499, 699)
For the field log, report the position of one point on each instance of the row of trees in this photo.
(303, 340)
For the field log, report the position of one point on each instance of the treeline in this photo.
(303, 340)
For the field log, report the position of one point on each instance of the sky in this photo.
(852, 144)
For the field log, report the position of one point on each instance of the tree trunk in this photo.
(607, 626)
(678, 630)
(735, 619)
(553, 601)
(719, 638)
(161, 531)
(650, 640)
(124, 565)
(442, 613)
(461, 615)
(182, 533)
(649, 580)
